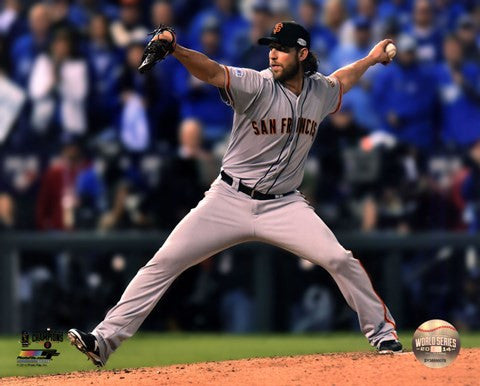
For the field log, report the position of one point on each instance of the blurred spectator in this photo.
(405, 97)
(391, 203)
(20, 171)
(338, 140)
(97, 185)
(323, 41)
(471, 189)
(391, 29)
(138, 96)
(56, 200)
(425, 31)
(367, 10)
(165, 116)
(315, 311)
(183, 179)
(82, 11)
(467, 35)
(434, 195)
(397, 11)
(365, 113)
(11, 18)
(186, 10)
(200, 100)
(12, 26)
(458, 84)
(231, 25)
(391, 211)
(162, 13)
(128, 28)
(110, 191)
(253, 55)
(59, 11)
(27, 47)
(105, 67)
(58, 87)
(334, 15)
(447, 12)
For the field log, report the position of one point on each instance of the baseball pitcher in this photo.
(277, 114)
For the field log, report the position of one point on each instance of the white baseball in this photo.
(391, 50)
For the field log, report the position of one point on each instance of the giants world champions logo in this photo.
(38, 356)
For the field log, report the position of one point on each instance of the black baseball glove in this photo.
(157, 50)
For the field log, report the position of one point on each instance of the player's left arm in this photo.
(350, 74)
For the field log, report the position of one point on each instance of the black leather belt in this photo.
(255, 194)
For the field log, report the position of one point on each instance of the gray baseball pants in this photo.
(226, 217)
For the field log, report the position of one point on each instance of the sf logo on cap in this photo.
(277, 28)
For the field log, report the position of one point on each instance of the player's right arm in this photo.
(196, 63)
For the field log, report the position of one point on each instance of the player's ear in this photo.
(302, 54)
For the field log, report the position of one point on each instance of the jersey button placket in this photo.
(291, 136)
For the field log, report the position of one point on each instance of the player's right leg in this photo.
(222, 219)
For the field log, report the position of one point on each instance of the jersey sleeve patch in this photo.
(239, 73)
(242, 87)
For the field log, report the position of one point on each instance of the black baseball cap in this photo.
(288, 34)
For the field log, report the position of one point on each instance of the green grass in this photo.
(150, 349)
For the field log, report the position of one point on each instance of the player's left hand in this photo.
(162, 44)
(378, 54)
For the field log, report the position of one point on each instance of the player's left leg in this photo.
(292, 224)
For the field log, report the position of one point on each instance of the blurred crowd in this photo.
(86, 142)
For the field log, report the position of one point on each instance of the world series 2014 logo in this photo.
(37, 355)
(436, 343)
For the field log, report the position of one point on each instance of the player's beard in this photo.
(288, 72)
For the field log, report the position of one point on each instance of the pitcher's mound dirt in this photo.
(322, 369)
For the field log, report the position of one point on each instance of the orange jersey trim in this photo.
(340, 94)
(383, 303)
(227, 85)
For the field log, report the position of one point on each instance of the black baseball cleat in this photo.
(86, 343)
(390, 347)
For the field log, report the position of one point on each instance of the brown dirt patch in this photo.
(325, 369)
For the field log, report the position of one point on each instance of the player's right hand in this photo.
(378, 54)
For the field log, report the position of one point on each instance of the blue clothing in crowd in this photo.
(105, 70)
(460, 112)
(429, 43)
(22, 55)
(363, 108)
(230, 26)
(80, 16)
(202, 101)
(399, 11)
(323, 42)
(407, 92)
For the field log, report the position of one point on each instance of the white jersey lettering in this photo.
(273, 129)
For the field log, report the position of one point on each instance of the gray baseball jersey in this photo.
(273, 129)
